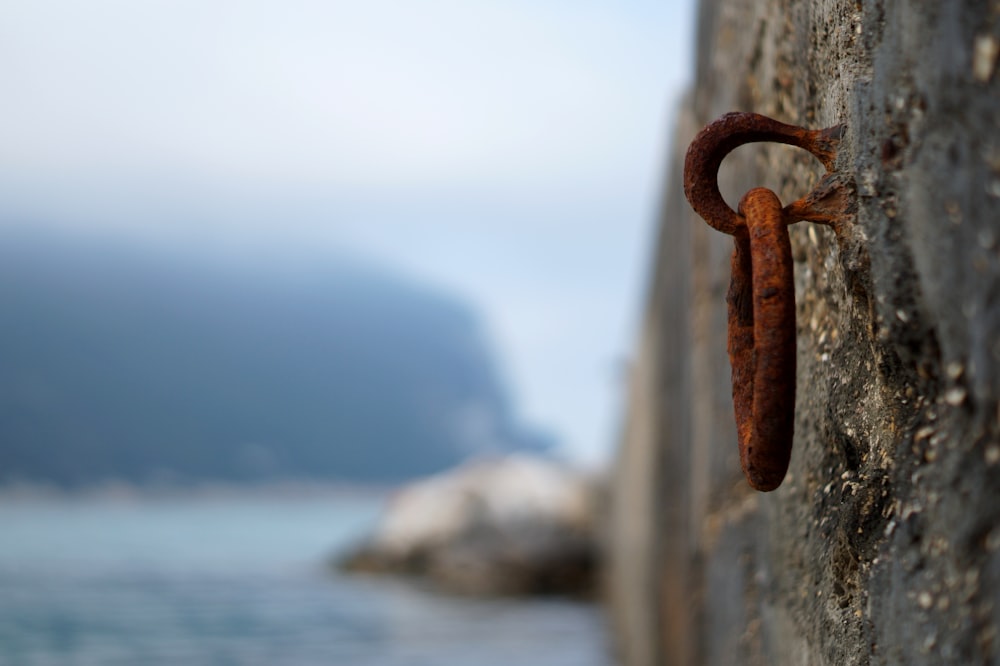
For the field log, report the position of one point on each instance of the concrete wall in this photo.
(882, 544)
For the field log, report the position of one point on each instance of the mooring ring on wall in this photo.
(761, 299)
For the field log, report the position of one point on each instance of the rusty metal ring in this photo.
(721, 137)
(761, 299)
(761, 304)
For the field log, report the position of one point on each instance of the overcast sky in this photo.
(506, 151)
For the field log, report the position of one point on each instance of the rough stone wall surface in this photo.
(882, 546)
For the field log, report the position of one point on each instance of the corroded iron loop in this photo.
(718, 139)
(762, 340)
(761, 295)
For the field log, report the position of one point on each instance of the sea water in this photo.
(244, 580)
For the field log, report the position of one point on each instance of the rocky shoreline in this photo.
(516, 525)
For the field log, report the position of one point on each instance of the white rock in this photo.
(513, 525)
(504, 493)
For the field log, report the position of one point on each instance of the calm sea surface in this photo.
(242, 580)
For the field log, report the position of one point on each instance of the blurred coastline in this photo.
(265, 265)
(14, 492)
(223, 575)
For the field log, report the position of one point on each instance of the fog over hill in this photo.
(124, 361)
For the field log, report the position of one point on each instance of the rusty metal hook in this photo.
(761, 299)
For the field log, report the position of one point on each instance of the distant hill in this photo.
(124, 362)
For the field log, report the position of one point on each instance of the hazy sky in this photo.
(507, 151)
